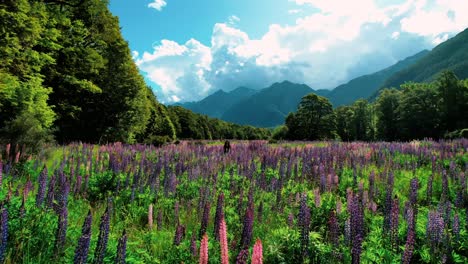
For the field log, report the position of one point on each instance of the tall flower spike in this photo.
(101, 246)
(3, 232)
(122, 249)
(223, 242)
(204, 250)
(81, 252)
(61, 230)
(205, 219)
(219, 215)
(41, 189)
(150, 216)
(257, 255)
(179, 234)
(247, 228)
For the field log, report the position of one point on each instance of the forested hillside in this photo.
(269, 106)
(67, 73)
(217, 103)
(450, 55)
(365, 86)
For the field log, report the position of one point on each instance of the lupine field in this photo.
(318, 202)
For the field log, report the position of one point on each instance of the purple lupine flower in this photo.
(247, 230)
(205, 219)
(81, 252)
(41, 189)
(61, 230)
(409, 247)
(1, 171)
(456, 227)
(395, 214)
(317, 198)
(357, 228)
(122, 249)
(3, 232)
(50, 192)
(101, 246)
(435, 228)
(429, 189)
(193, 245)
(347, 231)
(219, 215)
(260, 212)
(445, 187)
(333, 229)
(413, 196)
(242, 257)
(179, 234)
(304, 224)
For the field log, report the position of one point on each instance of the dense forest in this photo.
(414, 111)
(66, 73)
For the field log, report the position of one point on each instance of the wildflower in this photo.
(219, 215)
(103, 237)
(179, 234)
(247, 228)
(61, 230)
(81, 252)
(3, 232)
(409, 247)
(204, 250)
(257, 255)
(204, 220)
(242, 257)
(41, 189)
(223, 242)
(122, 249)
(150, 216)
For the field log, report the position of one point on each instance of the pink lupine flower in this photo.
(150, 216)
(223, 242)
(204, 250)
(257, 255)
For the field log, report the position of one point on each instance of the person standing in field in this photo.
(227, 146)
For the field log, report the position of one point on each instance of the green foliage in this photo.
(314, 119)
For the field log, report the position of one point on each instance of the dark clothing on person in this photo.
(227, 147)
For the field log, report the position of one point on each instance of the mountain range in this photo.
(269, 106)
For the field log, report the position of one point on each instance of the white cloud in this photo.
(157, 4)
(294, 11)
(233, 20)
(323, 49)
(135, 54)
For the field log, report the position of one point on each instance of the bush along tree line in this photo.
(66, 72)
(414, 111)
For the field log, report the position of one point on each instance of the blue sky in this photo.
(189, 49)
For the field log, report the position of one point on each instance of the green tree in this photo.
(362, 120)
(27, 39)
(314, 119)
(419, 111)
(453, 102)
(387, 114)
(344, 126)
